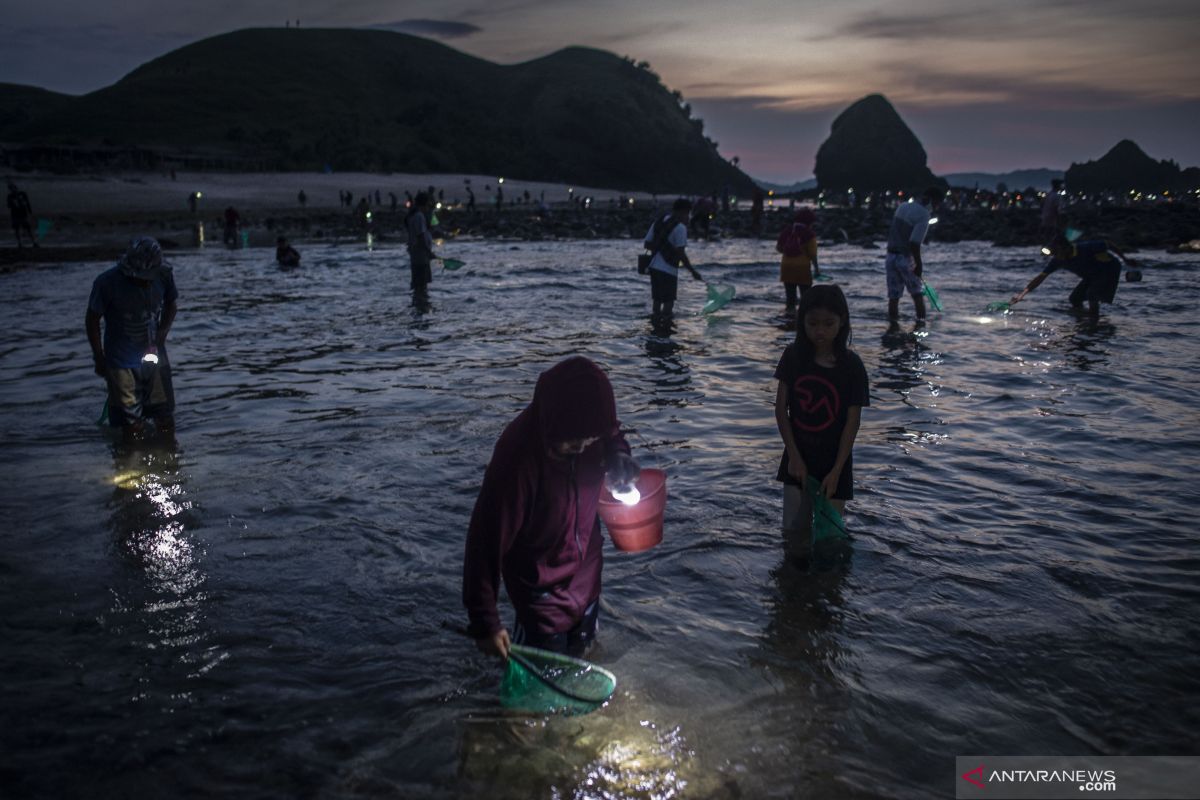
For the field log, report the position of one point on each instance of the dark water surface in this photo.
(271, 610)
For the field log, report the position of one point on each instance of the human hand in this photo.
(830, 483)
(498, 644)
(1018, 297)
(623, 472)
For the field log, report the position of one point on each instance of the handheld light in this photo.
(629, 497)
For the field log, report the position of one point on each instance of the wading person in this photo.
(420, 243)
(797, 246)
(136, 302)
(818, 407)
(667, 240)
(20, 212)
(1097, 263)
(535, 522)
(903, 265)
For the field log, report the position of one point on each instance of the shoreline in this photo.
(92, 218)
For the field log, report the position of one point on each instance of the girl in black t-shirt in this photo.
(818, 406)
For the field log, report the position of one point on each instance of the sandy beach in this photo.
(112, 194)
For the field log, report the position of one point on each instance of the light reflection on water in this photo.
(271, 605)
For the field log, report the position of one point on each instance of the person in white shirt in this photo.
(903, 265)
(667, 240)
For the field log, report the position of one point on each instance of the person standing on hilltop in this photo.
(903, 265)
(20, 211)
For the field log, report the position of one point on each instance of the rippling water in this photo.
(271, 609)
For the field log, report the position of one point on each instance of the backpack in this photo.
(659, 244)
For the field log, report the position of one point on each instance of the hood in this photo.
(574, 400)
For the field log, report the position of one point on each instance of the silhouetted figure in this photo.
(756, 210)
(136, 301)
(420, 243)
(667, 242)
(285, 254)
(20, 211)
(233, 221)
(395, 201)
(302, 198)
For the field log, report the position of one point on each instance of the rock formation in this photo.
(870, 148)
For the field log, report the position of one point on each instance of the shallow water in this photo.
(272, 610)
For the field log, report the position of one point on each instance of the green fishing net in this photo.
(934, 300)
(827, 522)
(452, 263)
(543, 682)
(718, 296)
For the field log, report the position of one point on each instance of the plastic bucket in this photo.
(639, 526)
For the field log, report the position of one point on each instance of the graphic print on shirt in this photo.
(817, 403)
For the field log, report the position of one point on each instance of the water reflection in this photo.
(164, 594)
(614, 752)
(1084, 345)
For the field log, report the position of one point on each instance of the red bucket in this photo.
(639, 526)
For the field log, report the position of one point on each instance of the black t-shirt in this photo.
(818, 401)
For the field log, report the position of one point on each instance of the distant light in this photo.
(502, 180)
(199, 195)
(933, 220)
(438, 206)
(368, 216)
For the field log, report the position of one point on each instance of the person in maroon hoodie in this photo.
(535, 521)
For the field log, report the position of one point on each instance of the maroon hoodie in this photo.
(535, 519)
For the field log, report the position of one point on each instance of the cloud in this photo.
(437, 28)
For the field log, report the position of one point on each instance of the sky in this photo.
(986, 87)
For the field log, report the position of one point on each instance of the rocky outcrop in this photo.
(870, 148)
(1126, 167)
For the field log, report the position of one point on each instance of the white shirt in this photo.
(910, 225)
(677, 239)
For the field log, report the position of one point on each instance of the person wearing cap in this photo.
(903, 265)
(136, 302)
(1097, 264)
(535, 523)
(20, 211)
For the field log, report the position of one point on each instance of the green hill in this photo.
(301, 99)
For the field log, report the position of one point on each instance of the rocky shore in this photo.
(99, 235)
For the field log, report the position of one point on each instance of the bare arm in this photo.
(91, 323)
(915, 249)
(845, 447)
(1033, 284)
(796, 466)
(164, 324)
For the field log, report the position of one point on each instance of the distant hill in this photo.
(1126, 166)
(1017, 179)
(301, 99)
(789, 188)
(869, 148)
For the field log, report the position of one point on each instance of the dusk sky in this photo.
(985, 86)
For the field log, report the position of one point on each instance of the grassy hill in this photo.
(300, 99)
